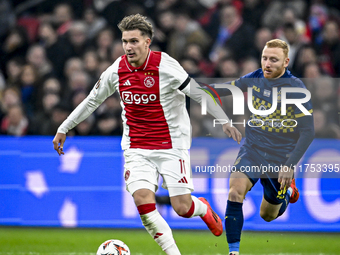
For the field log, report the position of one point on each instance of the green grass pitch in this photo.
(79, 241)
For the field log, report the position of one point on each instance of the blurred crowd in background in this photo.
(53, 52)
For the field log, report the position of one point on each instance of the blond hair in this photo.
(139, 22)
(277, 43)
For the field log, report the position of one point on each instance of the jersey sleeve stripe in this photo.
(184, 84)
(302, 114)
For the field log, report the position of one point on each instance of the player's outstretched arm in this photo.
(194, 92)
(58, 143)
(102, 89)
(306, 136)
(233, 132)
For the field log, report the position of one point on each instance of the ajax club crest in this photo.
(149, 82)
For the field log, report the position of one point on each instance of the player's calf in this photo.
(158, 228)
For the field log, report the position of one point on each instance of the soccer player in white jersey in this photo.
(157, 132)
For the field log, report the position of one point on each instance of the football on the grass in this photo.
(113, 247)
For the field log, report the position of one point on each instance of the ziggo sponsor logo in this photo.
(131, 98)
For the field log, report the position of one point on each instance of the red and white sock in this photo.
(158, 228)
(198, 208)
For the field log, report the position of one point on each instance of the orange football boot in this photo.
(294, 193)
(212, 220)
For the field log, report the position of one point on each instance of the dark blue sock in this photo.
(284, 205)
(233, 224)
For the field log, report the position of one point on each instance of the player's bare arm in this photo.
(58, 143)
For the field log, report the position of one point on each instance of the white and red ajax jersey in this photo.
(154, 113)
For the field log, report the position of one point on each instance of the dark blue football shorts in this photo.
(261, 165)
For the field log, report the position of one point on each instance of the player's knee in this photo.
(139, 200)
(236, 194)
(143, 196)
(267, 217)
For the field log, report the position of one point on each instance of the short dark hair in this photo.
(137, 21)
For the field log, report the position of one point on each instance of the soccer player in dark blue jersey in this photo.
(274, 142)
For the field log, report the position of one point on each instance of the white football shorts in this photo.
(143, 167)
